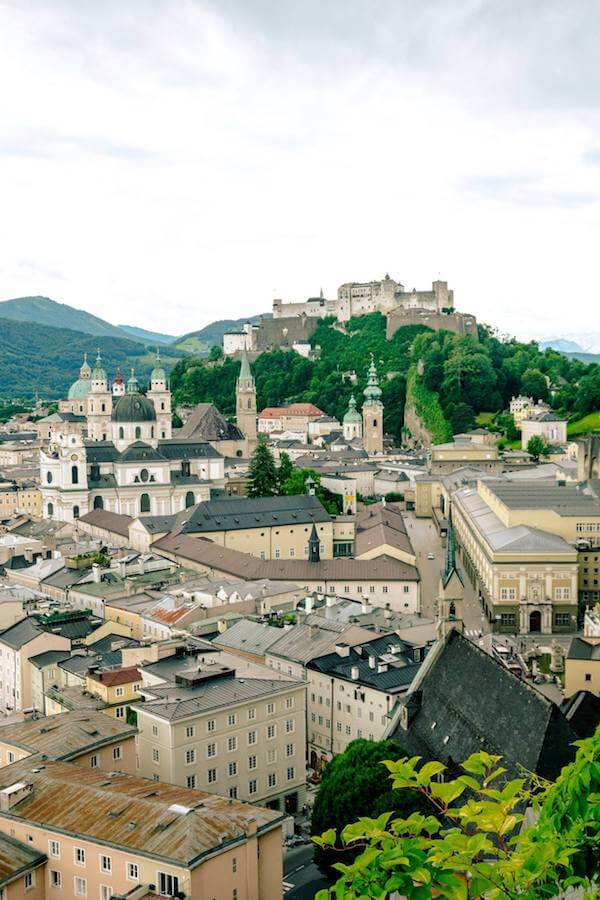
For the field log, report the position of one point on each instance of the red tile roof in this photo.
(112, 677)
(294, 409)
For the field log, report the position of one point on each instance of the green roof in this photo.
(79, 390)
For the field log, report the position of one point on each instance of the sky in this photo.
(166, 163)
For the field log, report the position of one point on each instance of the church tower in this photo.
(160, 395)
(372, 413)
(99, 406)
(451, 589)
(352, 422)
(118, 386)
(245, 403)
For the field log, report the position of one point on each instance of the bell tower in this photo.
(245, 403)
(99, 404)
(160, 395)
(372, 413)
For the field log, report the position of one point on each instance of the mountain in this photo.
(44, 311)
(200, 342)
(40, 357)
(148, 337)
(561, 344)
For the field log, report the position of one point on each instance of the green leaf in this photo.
(447, 792)
(429, 771)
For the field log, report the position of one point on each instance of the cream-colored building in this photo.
(242, 737)
(526, 575)
(171, 842)
(582, 662)
(445, 458)
(117, 687)
(546, 425)
(17, 643)
(352, 692)
(23, 500)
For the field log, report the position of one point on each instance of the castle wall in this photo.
(459, 323)
(284, 332)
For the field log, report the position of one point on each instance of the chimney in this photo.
(354, 673)
(342, 649)
(308, 604)
(387, 613)
(382, 667)
(329, 600)
(13, 794)
(96, 573)
(365, 606)
(372, 661)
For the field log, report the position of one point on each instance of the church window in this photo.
(249, 403)
(75, 512)
(152, 431)
(185, 468)
(189, 499)
(49, 477)
(144, 475)
(374, 423)
(51, 509)
(145, 503)
(121, 433)
(163, 435)
(75, 474)
(138, 432)
(104, 407)
(162, 404)
(98, 502)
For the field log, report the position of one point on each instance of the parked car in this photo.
(430, 555)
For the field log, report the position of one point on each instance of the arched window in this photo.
(189, 499)
(49, 477)
(98, 502)
(51, 509)
(75, 512)
(162, 404)
(374, 423)
(145, 503)
(138, 432)
(121, 433)
(249, 403)
(74, 475)
(152, 431)
(104, 407)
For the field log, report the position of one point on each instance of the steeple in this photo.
(98, 373)
(245, 403)
(450, 560)
(245, 373)
(85, 372)
(314, 546)
(372, 391)
(132, 383)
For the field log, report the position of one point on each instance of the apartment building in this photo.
(24, 500)
(18, 643)
(353, 692)
(117, 687)
(87, 738)
(214, 731)
(105, 835)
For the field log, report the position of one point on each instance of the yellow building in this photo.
(117, 688)
(23, 500)
(526, 577)
(582, 663)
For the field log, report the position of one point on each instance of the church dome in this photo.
(158, 373)
(133, 407)
(79, 390)
(352, 416)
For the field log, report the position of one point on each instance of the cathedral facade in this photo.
(127, 461)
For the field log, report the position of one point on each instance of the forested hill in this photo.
(463, 376)
(38, 357)
(44, 311)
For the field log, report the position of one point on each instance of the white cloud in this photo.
(169, 163)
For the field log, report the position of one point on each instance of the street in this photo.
(425, 539)
(301, 878)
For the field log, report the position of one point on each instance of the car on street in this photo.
(430, 555)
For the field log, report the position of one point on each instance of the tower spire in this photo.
(450, 556)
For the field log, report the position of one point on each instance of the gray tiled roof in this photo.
(582, 649)
(20, 633)
(249, 636)
(212, 695)
(260, 512)
(563, 499)
(401, 669)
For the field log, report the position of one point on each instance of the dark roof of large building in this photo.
(464, 701)
(206, 423)
(583, 712)
(178, 702)
(386, 663)
(582, 649)
(233, 513)
(564, 499)
(187, 449)
(141, 452)
(105, 451)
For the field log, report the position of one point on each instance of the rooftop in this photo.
(563, 499)
(16, 859)
(249, 637)
(144, 817)
(115, 676)
(235, 513)
(66, 735)
(385, 663)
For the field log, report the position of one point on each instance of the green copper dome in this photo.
(352, 416)
(98, 373)
(79, 390)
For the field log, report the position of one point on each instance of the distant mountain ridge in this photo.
(147, 336)
(44, 311)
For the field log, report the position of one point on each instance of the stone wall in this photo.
(274, 333)
(459, 323)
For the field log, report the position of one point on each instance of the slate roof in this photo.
(582, 649)
(563, 499)
(303, 642)
(17, 858)
(206, 423)
(401, 659)
(232, 513)
(177, 824)
(141, 452)
(464, 700)
(187, 449)
(49, 658)
(248, 636)
(213, 694)
(21, 633)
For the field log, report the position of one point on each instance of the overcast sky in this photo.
(169, 162)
